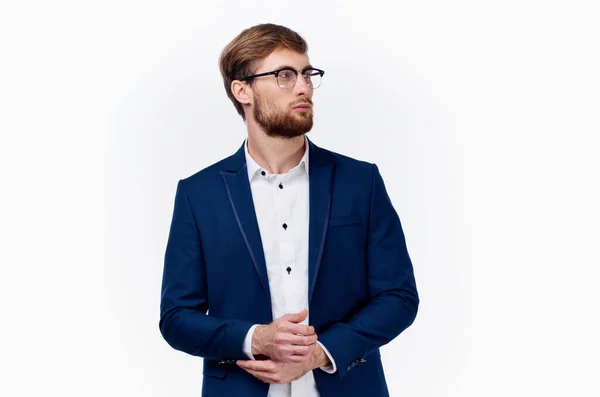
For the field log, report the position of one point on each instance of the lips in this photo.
(302, 106)
(302, 109)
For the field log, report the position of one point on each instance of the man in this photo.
(286, 266)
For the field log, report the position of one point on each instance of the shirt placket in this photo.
(286, 242)
(288, 256)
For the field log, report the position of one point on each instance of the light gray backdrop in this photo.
(482, 117)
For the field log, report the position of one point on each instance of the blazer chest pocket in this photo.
(345, 220)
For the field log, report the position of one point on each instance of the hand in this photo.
(285, 339)
(270, 371)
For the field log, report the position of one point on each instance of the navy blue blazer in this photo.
(362, 291)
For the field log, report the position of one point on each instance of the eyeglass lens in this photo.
(287, 78)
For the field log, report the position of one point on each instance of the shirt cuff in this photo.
(330, 369)
(248, 342)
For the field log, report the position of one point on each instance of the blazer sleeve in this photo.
(393, 299)
(184, 322)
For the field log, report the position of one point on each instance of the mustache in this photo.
(303, 102)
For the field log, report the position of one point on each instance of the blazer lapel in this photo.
(240, 197)
(321, 171)
(321, 175)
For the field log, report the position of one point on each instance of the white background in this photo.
(482, 116)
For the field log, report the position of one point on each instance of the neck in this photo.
(275, 154)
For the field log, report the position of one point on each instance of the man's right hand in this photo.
(285, 339)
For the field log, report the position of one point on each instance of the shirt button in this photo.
(280, 186)
(263, 173)
(289, 270)
(284, 226)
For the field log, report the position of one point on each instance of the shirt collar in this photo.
(254, 167)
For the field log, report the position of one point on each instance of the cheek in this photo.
(274, 101)
(282, 105)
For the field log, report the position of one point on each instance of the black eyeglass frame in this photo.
(276, 73)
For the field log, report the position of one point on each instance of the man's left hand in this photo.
(273, 371)
(270, 371)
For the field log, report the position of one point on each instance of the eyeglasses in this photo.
(286, 77)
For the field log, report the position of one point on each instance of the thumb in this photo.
(297, 317)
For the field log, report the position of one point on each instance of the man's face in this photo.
(283, 112)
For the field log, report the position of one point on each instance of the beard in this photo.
(283, 124)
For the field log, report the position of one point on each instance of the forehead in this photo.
(283, 57)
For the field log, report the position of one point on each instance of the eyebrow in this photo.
(291, 67)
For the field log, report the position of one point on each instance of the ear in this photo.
(242, 91)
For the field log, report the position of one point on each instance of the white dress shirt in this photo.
(281, 203)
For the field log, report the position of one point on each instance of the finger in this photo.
(260, 376)
(295, 349)
(258, 365)
(295, 358)
(297, 317)
(298, 329)
(286, 338)
(301, 350)
(302, 340)
(243, 362)
(298, 354)
(257, 374)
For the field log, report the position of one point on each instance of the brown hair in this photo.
(240, 56)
